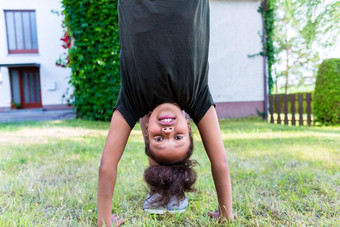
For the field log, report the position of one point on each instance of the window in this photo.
(21, 31)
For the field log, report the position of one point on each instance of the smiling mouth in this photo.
(166, 120)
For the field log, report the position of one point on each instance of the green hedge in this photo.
(94, 56)
(326, 104)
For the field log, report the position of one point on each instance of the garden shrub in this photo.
(326, 103)
(93, 56)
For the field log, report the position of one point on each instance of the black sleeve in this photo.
(203, 101)
(126, 109)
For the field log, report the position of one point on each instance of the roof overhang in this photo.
(16, 65)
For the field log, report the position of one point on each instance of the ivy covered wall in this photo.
(267, 9)
(93, 56)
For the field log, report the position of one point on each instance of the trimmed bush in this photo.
(94, 56)
(326, 103)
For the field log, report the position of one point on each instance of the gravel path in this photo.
(36, 115)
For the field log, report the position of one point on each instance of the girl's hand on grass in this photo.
(117, 221)
(216, 215)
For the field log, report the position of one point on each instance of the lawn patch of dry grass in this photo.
(281, 175)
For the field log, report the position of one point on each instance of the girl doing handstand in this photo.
(164, 70)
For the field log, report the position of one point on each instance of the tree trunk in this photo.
(287, 70)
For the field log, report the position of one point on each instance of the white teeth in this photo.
(166, 120)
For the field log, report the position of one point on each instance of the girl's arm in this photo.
(117, 137)
(211, 136)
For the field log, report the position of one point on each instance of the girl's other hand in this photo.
(216, 215)
(117, 221)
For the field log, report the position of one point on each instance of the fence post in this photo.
(292, 108)
(308, 108)
(300, 98)
(278, 109)
(285, 108)
(271, 108)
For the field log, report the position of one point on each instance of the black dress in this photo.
(164, 56)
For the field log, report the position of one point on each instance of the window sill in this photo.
(24, 55)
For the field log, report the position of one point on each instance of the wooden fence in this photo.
(291, 109)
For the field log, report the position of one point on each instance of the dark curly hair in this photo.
(170, 179)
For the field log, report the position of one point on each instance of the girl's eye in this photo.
(178, 137)
(158, 139)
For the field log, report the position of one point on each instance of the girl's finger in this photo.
(114, 217)
(213, 215)
(118, 222)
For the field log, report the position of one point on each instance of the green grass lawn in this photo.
(281, 175)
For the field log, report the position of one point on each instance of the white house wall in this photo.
(49, 32)
(234, 78)
(236, 81)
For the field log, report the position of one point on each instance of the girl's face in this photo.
(168, 133)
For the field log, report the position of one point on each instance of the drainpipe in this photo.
(0, 76)
(265, 101)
